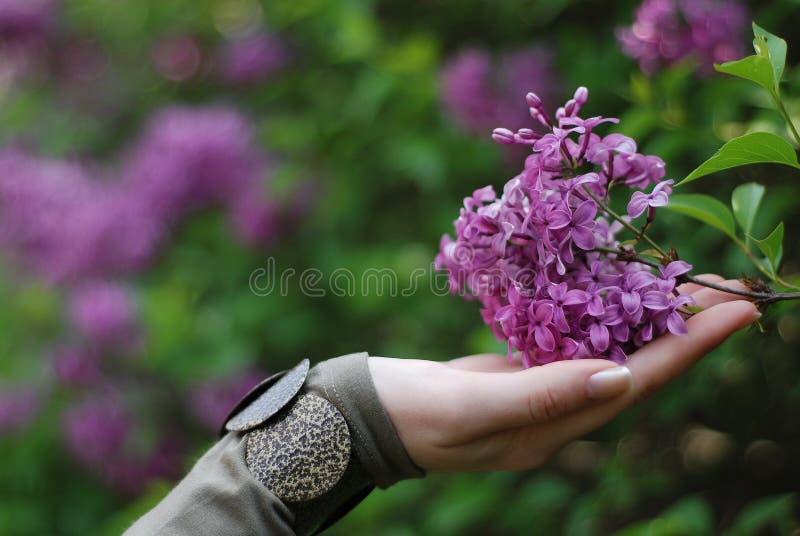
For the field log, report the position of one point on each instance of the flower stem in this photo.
(761, 298)
(636, 232)
(788, 119)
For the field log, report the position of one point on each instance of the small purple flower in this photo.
(671, 272)
(659, 197)
(562, 297)
(541, 325)
(671, 318)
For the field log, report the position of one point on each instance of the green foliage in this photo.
(765, 68)
(745, 201)
(753, 148)
(706, 209)
(772, 247)
(773, 48)
(691, 516)
(757, 69)
(770, 513)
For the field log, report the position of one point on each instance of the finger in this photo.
(709, 297)
(653, 366)
(485, 363)
(537, 395)
(691, 288)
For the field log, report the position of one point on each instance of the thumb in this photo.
(541, 394)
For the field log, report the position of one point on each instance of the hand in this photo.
(483, 413)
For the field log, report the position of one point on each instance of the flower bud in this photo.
(533, 100)
(581, 95)
(503, 135)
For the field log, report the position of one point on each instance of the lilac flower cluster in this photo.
(479, 91)
(666, 31)
(537, 258)
(99, 433)
(69, 223)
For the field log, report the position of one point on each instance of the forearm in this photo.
(297, 454)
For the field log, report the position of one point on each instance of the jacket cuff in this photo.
(347, 382)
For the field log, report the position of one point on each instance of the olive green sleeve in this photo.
(298, 452)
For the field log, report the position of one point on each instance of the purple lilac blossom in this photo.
(479, 91)
(68, 223)
(667, 31)
(252, 59)
(102, 436)
(104, 313)
(529, 256)
(96, 429)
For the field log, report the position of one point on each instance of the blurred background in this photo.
(154, 154)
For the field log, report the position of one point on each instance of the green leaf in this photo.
(771, 47)
(753, 148)
(706, 209)
(774, 512)
(757, 69)
(745, 202)
(772, 247)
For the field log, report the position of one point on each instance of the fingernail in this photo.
(609, 382)
(757, 314)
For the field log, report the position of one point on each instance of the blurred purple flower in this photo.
(254, 219)
(22, 20)
(480, 92)
(252, 59)
(666, 31)
(104, 313)
(19, 404)
(190, 157)
(42, 219)
(95, 430)
(211, 400)
(75, 367)
(101, 435)
(69, 224)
